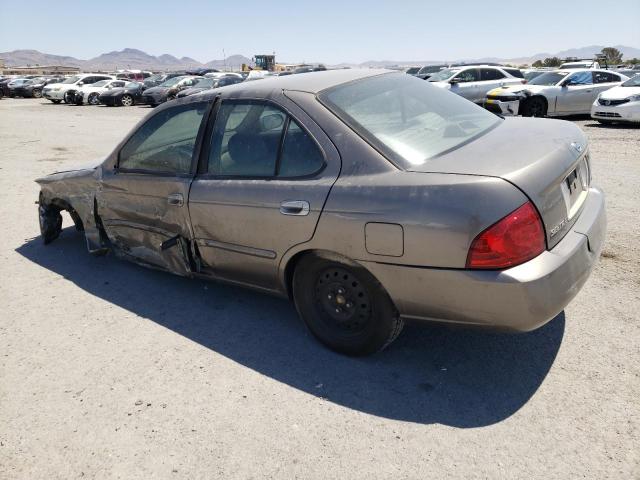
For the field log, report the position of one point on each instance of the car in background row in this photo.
(133, 75)
(89, 94)
(57, 92)
(427, 71)
(473, 82)
(619, 104)
(208, 83)
(559, 92)
(31, 88)
(168, 90)
(125, 96)
(160, 78)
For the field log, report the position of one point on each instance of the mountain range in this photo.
(137, 59)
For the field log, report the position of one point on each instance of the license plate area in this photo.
(575, 187)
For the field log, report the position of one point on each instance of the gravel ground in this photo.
(109, 370)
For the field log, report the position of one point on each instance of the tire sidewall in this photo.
(382, 322)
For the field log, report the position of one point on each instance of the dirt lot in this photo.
(109, 370)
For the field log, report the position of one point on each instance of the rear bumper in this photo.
(520, 299)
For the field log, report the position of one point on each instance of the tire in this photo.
(56, 101)
(344, 306)
(126, 100)
(93, 99)
(68, 96)
(50, 223)
(36, 93)
(535, 107)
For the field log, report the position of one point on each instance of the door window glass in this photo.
(490, 74)
(300, 154)
(165, 143)
(580, 78)
(471, 75)
(605, 77)
(246, 139)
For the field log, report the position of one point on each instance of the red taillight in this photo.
(515, 239)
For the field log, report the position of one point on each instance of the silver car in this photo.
(556, 93)
(368, 197)
(473, 82)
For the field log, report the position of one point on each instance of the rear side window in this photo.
(255, 139)
(514, 72)
(165, 143)
(605, 77)
(491, 74)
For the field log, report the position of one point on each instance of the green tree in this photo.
(613, 55)
(552, 62)
(537, 64)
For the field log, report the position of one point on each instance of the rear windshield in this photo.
(407, 119)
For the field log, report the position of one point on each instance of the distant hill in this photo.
(129, 58)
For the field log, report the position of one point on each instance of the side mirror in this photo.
(271, 122)
(80, 84)
(454, 81)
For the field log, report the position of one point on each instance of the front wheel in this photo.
(93, 99)
(36, 93)
(344, 306)
(69, 97)
(126, 100)
(534, 107)
(50, 222)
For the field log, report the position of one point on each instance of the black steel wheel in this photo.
(344, 306)
(535, 107)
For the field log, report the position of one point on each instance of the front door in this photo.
(466, 84)
(266, 174)
(142, 202)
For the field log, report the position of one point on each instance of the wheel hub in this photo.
(342, 299)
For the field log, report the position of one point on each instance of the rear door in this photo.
(264, 176)
(142, 202)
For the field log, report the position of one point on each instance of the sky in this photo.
(331, 31)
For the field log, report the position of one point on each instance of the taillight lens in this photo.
(515, 239)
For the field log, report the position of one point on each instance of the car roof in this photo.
(311, 82)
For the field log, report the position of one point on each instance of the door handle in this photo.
(294, 207)
(175, 199)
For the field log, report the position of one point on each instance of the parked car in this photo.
(454, 215)
(160, 78)
(427, 71)
(125, 96)
(15, 86)
(168, 90)
(57, 92)
(579, 64)
(412, 70)
(619, 104)
(559, 92)
(209, 83)
(473, 82)
(89, 94)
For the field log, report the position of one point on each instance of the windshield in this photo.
(205, 83)
(430, 69)
(101, 83)
(443, 75)
(633, 81)
(407, 119)
(171, 82)
(549, 78)
(73, 79)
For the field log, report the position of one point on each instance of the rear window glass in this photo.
(407, 119)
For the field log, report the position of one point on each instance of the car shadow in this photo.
(431, 374)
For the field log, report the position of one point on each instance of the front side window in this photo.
(470, 75)
(255, 139)
(580, 78)
(548, 78)
(407, 119)
(166, 142)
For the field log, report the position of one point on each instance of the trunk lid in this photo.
(546, 159)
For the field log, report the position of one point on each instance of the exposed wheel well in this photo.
(61, 204)
(539, 97)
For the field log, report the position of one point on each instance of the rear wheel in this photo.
(36, 93)
(126, 100)
(534, 107)
(93, 99)
(344, 306)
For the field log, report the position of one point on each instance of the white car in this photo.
(619, 104)
(474, 81)
(57, 92)
(556, 93)
(89, 94)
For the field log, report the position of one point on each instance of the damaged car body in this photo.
(367, 197)
(553, 93)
